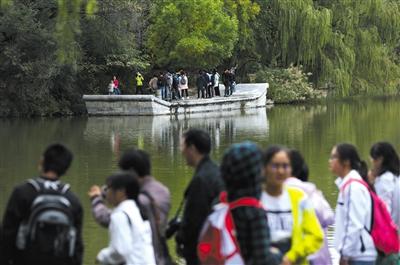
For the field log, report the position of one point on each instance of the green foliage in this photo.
(347, 45)
(34, 79)
(286, 85)
(191, 33)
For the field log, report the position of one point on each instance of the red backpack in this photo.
(218, 244)
(383, 230)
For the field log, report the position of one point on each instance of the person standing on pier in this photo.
(184, 84)
(226, 80)
(215, 82)
(139, 83)
(202, 191)
(153, 85)
(201, 85)
(117, 91)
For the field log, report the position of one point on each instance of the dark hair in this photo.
(126, 180)
(348, 152)
(390, 158)
(299, 166)
(271, 151)
(137, 160)
(200, 139)
(57, 158)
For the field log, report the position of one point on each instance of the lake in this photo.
(97, 143)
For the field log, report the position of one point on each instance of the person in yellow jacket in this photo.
(294, 226)
(139, 83)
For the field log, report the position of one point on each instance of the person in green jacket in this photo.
(295, 229)
(139, 83)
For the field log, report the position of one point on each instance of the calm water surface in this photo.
(97, 143)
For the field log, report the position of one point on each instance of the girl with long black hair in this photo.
(354, 207)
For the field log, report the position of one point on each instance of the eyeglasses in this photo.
(284, 166)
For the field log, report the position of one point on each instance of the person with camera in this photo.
(154, 199)
(202, 192)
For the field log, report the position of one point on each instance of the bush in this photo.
(286, 85)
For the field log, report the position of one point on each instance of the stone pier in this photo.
(246, 96)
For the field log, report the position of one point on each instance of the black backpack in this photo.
(50, 228)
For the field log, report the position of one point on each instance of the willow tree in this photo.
(245, 52)
(347, 44)
(191, 33)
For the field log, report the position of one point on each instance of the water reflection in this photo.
(164, 132)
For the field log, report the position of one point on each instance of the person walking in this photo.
(200, 194)
(154, 199)
(354, 207)
(47, 204)
(139, 83)
(241, 171)
(215, 82)
(130, 232)
(294, 226)
(385, 177)
(117, 91)
(201, 85)
(299, 179)
(184, 84)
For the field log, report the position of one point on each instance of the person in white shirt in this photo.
(385, 176)
(130, 235)
(354, 208)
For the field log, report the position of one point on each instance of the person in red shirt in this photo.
(116, 86)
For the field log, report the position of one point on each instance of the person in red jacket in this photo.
(116, 86)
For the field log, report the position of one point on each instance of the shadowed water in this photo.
(97, 143)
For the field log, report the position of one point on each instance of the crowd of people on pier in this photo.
(257, 207)
(175, 86)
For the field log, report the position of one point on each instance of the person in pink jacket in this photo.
(322, 208)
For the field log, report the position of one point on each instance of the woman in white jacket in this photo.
(385, 176)
(354, 208)
(130, 234)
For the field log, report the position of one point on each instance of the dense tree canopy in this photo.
(190, 33)
(53, 51)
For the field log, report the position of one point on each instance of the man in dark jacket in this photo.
(202, 191)
(201, 84)
(55, 162)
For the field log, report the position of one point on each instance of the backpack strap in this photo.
(41, 185)
(153, 206)
(245, 202)
(35, 184)
(355, 180)
(370, 194)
